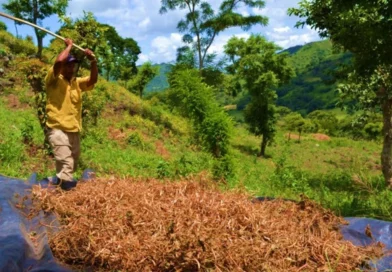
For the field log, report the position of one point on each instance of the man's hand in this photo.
(68, 42)
(90, 55)
(61, 58)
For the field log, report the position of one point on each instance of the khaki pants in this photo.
(66, 149)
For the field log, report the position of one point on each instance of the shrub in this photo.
(22, 47)
(195, 101)
(3, 26)
(325, 121)
(213, 127)
(373, 130)
(223, 168)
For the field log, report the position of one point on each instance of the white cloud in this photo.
(164, 49)
(143, 58)
(157, 34)
(294, 40)
(282, 29)
(76, 7)
(139, 19)
(145, 23)
(221, 41)
(270, 12)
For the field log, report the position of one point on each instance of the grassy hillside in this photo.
(130, 137)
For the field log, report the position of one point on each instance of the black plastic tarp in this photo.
(381, 231)
(24, 241)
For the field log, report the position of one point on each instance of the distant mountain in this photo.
(309, 90)
(293, 49)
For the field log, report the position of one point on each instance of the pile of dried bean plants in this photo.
(149, 225)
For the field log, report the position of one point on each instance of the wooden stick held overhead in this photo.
(38, 27)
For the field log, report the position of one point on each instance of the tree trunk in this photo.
(40, 45)
(200, 54)
(263, 146)
(16, 29)
(386, 155)
(108, 74)
(37, 34)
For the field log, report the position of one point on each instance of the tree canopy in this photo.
(34, 11)
(364, 28)
(202, 24)
(117, 55)
(121, 62)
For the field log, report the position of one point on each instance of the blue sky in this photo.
(157, 35)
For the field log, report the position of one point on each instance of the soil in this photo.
(321, 137)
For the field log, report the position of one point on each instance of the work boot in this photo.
(67, 185)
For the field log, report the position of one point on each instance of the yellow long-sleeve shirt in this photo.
(64, 101)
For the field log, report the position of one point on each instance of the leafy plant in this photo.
(27, 130)
(195, 100)
(3, 26)
(163, 169)
(255, 61)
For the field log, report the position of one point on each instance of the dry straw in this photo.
(148, 225)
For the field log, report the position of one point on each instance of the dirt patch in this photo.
(161, 150)
(33, 149)
(116, 134)
(167, 134)
(13, 101)
(291, 136)
(42, 160)
(139, 225)
(5, 83)
(321, 137)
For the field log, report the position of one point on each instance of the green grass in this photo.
(16, 126)
(341, 174)
(146, 139)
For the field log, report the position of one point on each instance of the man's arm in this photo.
(93, 68)
(62, 57)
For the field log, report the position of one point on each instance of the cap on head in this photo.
(71, 58)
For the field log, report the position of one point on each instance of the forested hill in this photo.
(307, 91)
(310, 89)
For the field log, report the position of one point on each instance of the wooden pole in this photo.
(40, 28)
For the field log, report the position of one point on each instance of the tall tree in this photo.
(121, 63)
(257, 63)
(364, 28)
(201, 24)
(128, 58)
(35, 11)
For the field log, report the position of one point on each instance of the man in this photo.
(64, 110)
